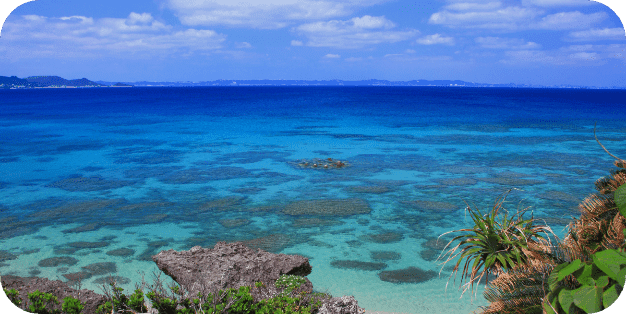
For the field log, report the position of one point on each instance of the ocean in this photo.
(95, 181)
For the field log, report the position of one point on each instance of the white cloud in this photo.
(296, 43)
(569, 20)
(410, 51)
(371, 22)
(474, 6)
(357, 32)
(557, 3)
(598, 34)
(509, 18)
(574, 55)
(532, 57)
(506, 43)
(529, 16)
(332, 56)
(584, 55)
(436, 39)
(243, 45)
(269, 14)
(79, 36)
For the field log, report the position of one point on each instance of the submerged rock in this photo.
(328, 207)
(407, 275)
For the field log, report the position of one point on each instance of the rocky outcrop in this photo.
(60, 289)
(232, 265)
(201, 270)
(229, 265)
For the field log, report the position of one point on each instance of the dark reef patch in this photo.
(407, 275)
(79, 183)
(110, 279)
(272, 243)
(101, 268)
(233, 223)
(351, 264)
(328, 207)
(388, 237)
(78, 276)
(151, 157)
(368, 189)
(87, 245)
(121, 252)
(385, 255)
(231, 203)
(84, 228)
(56, 261)
(6, 256)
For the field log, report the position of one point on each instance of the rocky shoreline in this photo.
(203, 270)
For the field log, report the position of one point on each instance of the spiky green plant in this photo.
(527, 288)
(497, 242)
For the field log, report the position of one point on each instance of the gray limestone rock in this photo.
(232, 265)
(60, 289)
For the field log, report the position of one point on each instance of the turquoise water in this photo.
(88, 172)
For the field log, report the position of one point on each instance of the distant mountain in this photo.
(59, 81)
(14, 82)
(44, 81)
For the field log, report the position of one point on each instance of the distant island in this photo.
(14, 82)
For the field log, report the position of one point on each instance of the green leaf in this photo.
(621, 277)
(609, 261)
(602, 282)
(609, 296)
(620, 199)
(586, 272)
(588, 298)
(567, 269)
(566, 298)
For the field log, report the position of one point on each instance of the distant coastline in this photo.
(14, 82)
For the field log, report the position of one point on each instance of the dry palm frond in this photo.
(520, 290)
(598, 207)
(614, 238)
(608, 185)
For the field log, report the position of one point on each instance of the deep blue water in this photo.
(149, 169)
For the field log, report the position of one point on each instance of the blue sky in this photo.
(544, 42)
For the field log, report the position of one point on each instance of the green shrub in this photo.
(105, 308)
(14, 296)
(136, 301)
(72, 306)
(39, 301)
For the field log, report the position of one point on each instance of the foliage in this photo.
(39, 301)
(596, 286)
(72, 306)
(496, 245)
(232, 301)
(14, 296)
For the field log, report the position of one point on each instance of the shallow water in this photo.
(113, 176)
